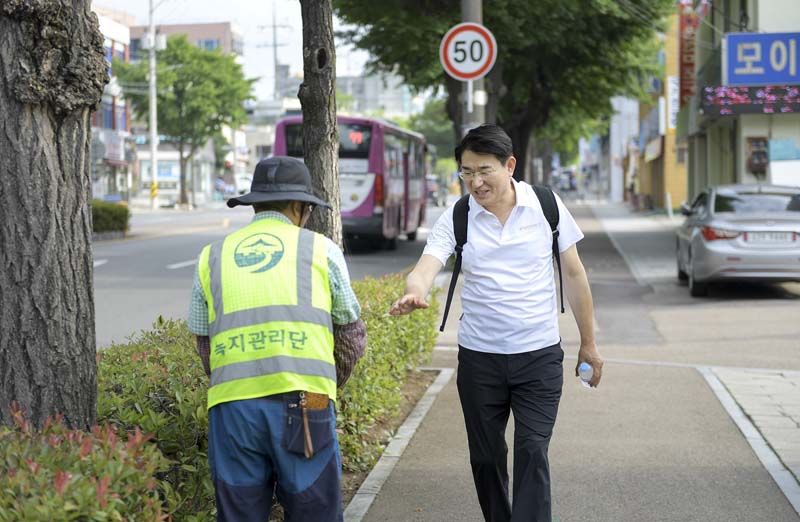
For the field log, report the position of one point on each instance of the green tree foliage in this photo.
(555, 56)
(434, 123)
(199, 92)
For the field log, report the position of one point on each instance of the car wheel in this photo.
(696, 288)
(682, 276)
(390, 244)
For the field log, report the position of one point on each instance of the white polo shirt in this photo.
(509, 294)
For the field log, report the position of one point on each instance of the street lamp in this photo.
(153, 42)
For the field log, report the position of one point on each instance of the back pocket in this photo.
(320, 430)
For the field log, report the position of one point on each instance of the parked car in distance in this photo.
(437, 191)
(243, 182)
(740, 233)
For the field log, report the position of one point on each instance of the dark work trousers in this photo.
(489, 386)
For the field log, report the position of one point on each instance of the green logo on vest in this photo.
(259, 252)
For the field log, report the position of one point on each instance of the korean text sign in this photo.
(761, 59)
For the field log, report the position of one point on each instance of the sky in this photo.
(257, 60)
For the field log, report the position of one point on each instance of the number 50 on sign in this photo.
(468, 51)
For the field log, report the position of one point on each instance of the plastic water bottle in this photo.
(585, 371)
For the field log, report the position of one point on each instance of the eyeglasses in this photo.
(483, 173)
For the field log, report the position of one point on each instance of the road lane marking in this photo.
(100, 262)
(182, 264)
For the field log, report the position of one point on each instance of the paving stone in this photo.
(773, 421)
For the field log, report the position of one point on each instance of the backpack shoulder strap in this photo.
(460, 213)
(550, 208)
(548, 201)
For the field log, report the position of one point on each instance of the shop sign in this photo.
(760, 59)
(653, 149)
(689, 23)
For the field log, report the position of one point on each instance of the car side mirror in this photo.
(686, 210)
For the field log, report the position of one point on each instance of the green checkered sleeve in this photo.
(345, 307)
(198, 308)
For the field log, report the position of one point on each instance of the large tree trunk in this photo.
(495, 90)
(318, 100)
(52, 69)
(454, 105)
(520, 135)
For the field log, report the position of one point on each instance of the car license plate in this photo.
(770, 237)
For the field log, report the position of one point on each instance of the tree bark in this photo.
(454, 110)
(52, 73)
(318, 101)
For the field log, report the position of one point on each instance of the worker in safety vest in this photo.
(278, 329)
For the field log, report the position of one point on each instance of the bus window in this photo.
(354, 140)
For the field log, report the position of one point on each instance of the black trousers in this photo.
(490, 386)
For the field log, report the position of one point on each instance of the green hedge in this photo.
(61, 474)
(155, 383)
(109, 217)
(395, 345)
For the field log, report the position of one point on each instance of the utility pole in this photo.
(472, 11)
(151, 37)
(275, 49)
(275, 26)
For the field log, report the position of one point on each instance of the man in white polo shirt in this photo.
(510, 357)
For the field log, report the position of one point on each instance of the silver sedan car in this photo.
(740, 233)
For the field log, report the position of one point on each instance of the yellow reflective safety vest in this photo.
(269, 312)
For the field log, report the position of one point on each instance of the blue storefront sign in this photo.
(761, 59)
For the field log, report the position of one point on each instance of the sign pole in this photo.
(472, 11)
(469, 99)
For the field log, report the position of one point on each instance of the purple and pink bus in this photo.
(381, 175)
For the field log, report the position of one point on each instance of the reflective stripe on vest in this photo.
(300, 357)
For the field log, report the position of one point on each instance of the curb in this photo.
(362, 500)
(769, 459)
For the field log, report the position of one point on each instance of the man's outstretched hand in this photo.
(407, 304)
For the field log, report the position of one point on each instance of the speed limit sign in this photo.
(468, 51)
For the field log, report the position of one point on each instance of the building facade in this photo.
(742, 121)
(113, 152)
(201, 169)
(661, 163)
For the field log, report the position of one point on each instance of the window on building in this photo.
(262, 151)
(121, 117)
(136, 49)
(109, 55)
(237, 46)
(208, 45)
(108, 115)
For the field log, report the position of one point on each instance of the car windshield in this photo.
(755, 202)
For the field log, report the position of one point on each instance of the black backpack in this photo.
(460, 212)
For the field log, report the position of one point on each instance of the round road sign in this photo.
(468, 51)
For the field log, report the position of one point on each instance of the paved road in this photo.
(150, 273)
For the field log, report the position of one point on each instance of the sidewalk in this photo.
(770, 398)
(652, 445)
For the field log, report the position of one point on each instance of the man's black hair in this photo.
(486, 139)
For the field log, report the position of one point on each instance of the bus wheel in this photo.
(390, 243)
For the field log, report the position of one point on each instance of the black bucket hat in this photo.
(279, 178)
